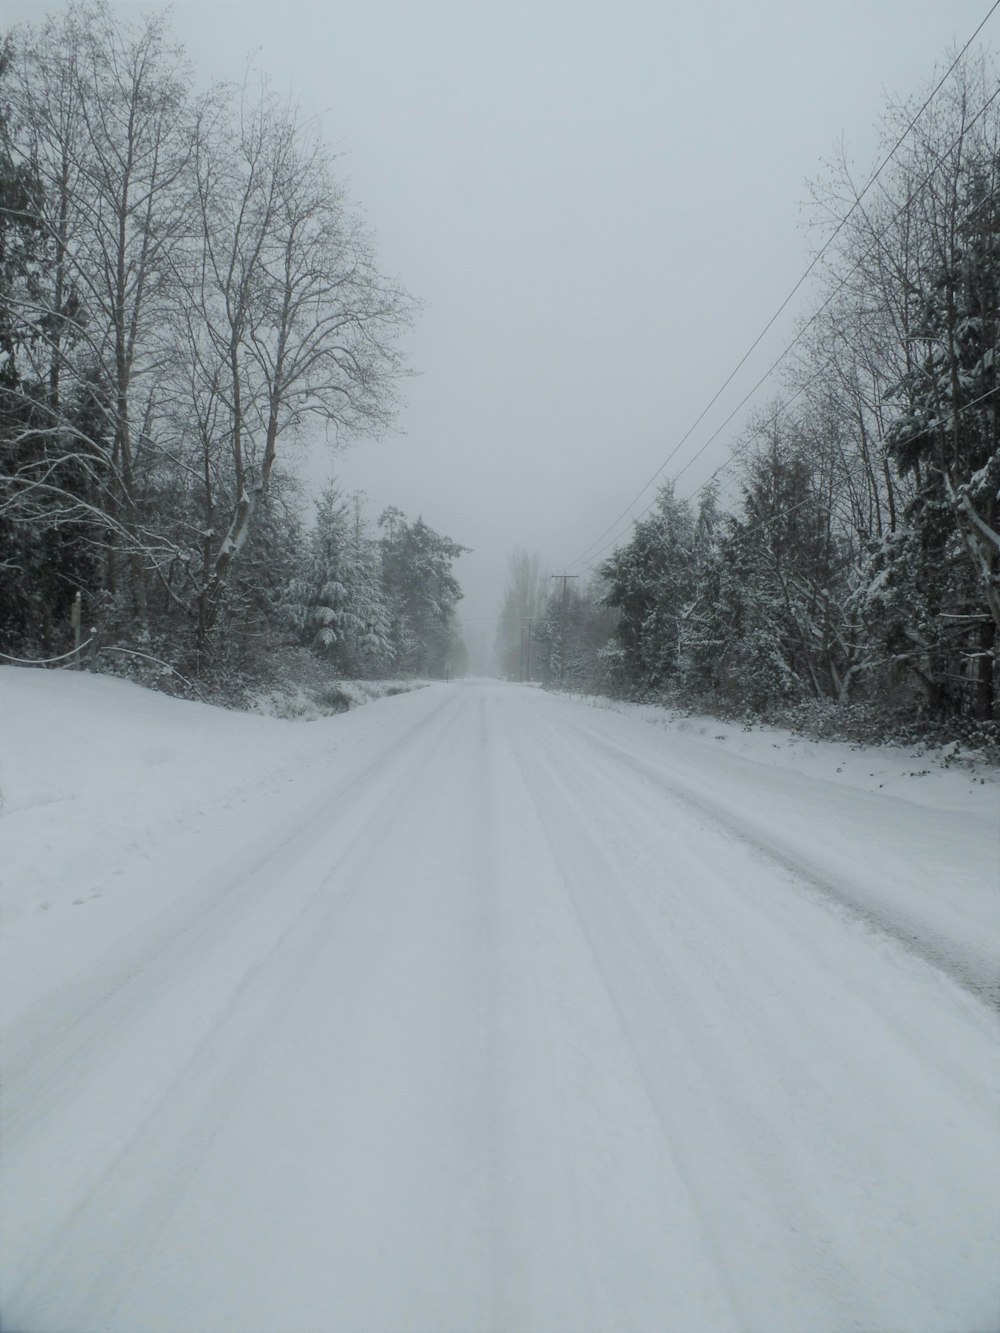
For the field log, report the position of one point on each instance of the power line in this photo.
(799, 504)
(783, 513)
(725, 463)
(767, 327)
(805, 328)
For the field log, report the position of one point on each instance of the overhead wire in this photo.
(810, 499)
(784, 304)
(725, 463)
(801, 333)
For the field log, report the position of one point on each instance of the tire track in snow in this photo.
(140, 1184)
(546, 1052)
(739, 1233)
(577, 856)
(746, 1051)
(973, 968)
(60, 1041)
(694, 1279)
(767, 918)
(543, 1274)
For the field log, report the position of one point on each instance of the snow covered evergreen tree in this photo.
(650, 581)
(337, 603)
(421, 592)
(947, 437)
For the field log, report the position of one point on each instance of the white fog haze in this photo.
(500, 666)
(599, 206)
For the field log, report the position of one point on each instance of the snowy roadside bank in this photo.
(910, 846)
(944, 777)
(115, 798)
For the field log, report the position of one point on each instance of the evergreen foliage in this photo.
(861, 565)
(422, 593)
(184, 287)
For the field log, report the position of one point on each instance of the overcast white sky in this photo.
(600, 205)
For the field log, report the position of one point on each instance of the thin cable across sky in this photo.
(580, 559)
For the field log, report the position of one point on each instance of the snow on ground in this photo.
(921, 861)
(112, 796)
(943, 777)
(482, 1009)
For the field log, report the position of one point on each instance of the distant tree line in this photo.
(861, 563)
(550, 630)
(185, 292)
(521, 611)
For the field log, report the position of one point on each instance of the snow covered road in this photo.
(481, 1009)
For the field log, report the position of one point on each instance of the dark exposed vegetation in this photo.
(855, 585)
(185, 294)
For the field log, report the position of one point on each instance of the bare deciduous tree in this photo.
(205, 290)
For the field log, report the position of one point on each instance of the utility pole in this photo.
(562, 622)
(527, 625)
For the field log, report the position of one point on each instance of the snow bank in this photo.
(113, 796)
(941, 778)
(891, 834)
